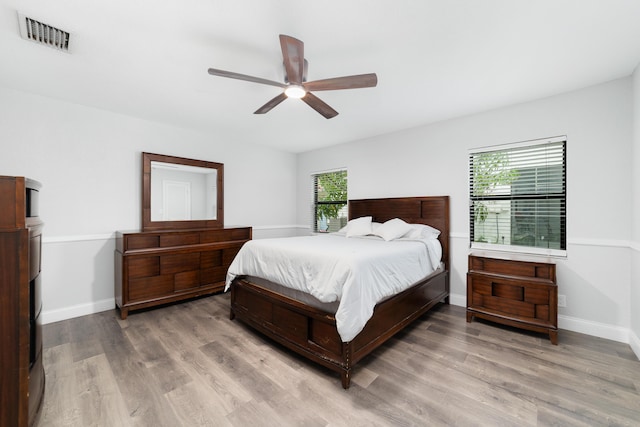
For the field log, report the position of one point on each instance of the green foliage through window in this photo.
(330, 201)
(490, 170)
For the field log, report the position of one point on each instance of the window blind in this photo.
(518, 197)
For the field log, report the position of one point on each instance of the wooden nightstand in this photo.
(515, 293)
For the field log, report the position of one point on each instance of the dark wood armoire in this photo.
(21, 369)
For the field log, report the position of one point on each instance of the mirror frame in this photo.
(148, 225)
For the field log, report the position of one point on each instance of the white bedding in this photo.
(358, 272)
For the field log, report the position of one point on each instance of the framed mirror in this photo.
(179, 193)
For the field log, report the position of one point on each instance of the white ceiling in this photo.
(435, 59)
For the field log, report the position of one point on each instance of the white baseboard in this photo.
(596, 329)
(634, 342)
(51, 316)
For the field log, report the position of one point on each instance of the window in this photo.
(518, 197)
(329, 201)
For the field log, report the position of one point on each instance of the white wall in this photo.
(635, 197)
(433, 160)
(89, 162)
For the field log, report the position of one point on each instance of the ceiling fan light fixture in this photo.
(295, 91)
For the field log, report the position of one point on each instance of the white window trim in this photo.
(521, 144)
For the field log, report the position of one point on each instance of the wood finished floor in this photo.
(189, 365)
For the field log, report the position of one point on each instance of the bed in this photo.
(311, 330)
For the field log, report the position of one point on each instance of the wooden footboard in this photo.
(312, 332)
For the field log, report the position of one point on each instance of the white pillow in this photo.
(374, 226)
(422, 231)
(393, 229)
(359, 226)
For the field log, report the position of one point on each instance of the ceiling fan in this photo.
(296, 84)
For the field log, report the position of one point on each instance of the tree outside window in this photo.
(330, 201)
(490, 171)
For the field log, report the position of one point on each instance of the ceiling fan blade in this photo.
(319, 105)
(269, 105)
(239, 76)
(347, 82)
(293, 56)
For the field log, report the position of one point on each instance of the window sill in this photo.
(516, 251)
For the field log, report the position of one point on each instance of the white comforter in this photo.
(357, 271)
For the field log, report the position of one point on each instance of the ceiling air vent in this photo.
(44, 34)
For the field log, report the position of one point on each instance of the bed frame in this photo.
(312, 332)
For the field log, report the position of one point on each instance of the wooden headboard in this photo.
(432, 210)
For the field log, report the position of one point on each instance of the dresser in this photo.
(159, 267)
(21, 370)
(517, 293)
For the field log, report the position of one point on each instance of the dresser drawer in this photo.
(179, 239)
(230, 234)
(141, 242)
(150, 287)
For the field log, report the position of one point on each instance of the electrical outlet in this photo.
(562, 300)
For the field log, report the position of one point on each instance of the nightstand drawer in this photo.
(526, 300)
(506, 267)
